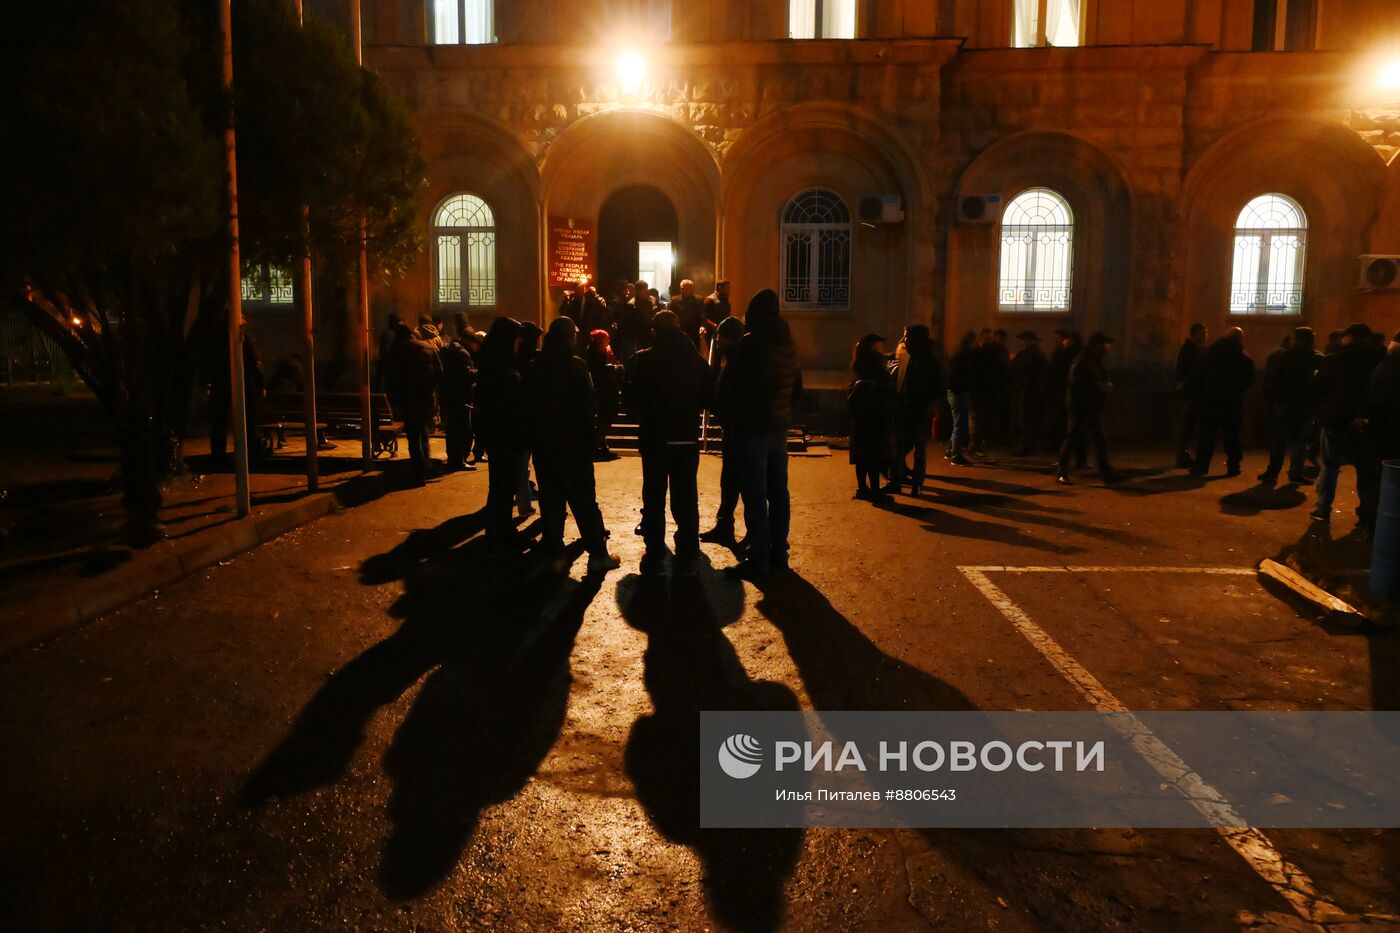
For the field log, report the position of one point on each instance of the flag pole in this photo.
(308, 340)
(366, 413)
(239, 413)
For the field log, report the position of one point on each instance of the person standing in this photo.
(1383, 407)
(962, 376)
(1067, 348)
(1341, 389)
(690, 311)
(1287, 379)
(1028, 378)
(1188, 359)
(559, 397)
(727, 337)
(717, 308)
(1225, 373)
(871, 400)
(603, 368)
(918, 385)
(761, 395)
(1089, 388)
(501, 422)
(387, 338)
(455, 394)
(667, 387)
(414, 373)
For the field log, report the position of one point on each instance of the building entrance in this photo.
(637, 238)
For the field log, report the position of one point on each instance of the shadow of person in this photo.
(690, 666)
(482, 722)
(1263, 497)
(948, 523)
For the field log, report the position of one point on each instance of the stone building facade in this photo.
(1155, 131)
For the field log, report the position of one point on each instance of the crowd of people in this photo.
(509, 398)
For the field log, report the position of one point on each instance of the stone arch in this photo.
(1102, 203)
(482, 157)
(629, 148)
(1328, 170)
(852, 153)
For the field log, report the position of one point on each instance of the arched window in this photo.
(464, 239)
(463, 22)
(816, 238)
(1271, 246)
(1037, 252)
(821, 19)
(267, 285)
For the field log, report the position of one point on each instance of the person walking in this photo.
(559, 398)
(1089, 388)
(668, 385)
(962, 376)
(871, 399)
(727, 337)
(455, 394)
(501, 422)
(1224, 375)
(918, 386)
(762, 393)
(1288, 381)
(1341, 390)
(1027, 380)
(414, 372)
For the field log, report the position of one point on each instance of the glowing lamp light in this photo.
(77, 321)
(1388, 78)
(631, 69)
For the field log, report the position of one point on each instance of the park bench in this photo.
(279, 412)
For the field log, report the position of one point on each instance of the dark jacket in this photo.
(1383, 407)
(458, 376)
(993, 366)
(666, 387)
(1057, 371)
(1225, 373)
(763, 384)
(500, 410)
(691, 311)
(558, 396)
(1343, 383)
(414, 371)
(918, 389)
(962, 370)
(1187, 359)
(1028, 372)
(1088, 382)
(871, 400)
(1291, 379)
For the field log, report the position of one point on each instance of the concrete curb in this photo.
(169, 561)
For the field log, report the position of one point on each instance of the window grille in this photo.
(464, 236)
(1037, 252)
(1271, 245)
(267, 284)
(816, 252)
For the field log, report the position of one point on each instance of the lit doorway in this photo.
(655, 265)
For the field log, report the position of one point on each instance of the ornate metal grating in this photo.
(1037, 253)
(816, 252)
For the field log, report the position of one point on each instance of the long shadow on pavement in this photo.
(691, 666)
(494, 638)
(943, 522)
(1263, 497)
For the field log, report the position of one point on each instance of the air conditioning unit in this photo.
(885, 209)
(974, 209)
(1378, 272)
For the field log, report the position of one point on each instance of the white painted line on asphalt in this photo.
(1251, 844)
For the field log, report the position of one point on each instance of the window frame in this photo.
(462, 8)
(1042, 25)
(1025, 280)
(813, 275)
(819, 20)
(1264, 267)
(438, 231)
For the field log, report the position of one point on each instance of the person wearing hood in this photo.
(1226, 372)
(762, 393)
(501, 423)
(727, 336)
(667, 387)
(559, 397)
(872, 400)
(528, 347)
(603, 367)
(918, 386)
(414, 372)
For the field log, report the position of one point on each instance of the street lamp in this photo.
(1388, 76)
(631, 69)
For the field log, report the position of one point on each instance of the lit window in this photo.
(1271, 246)
(1285, 25)
(463, 22)
(816, 258)
(266, 284)
(1037, 252)
(464, 242)
(822, 19)
(1036, 23)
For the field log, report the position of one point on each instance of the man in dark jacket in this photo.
(717, 307)
(1383, 404)
(1288, 379)
(414, 372)
(727, 337)
(1068, 345)
(762, 389)
(455, 394)
(1341, 389)
(1088, 393)
(1187, 359)
(1225, 373)
(1027, 378)
(559, 399)
(689, 311)
(989, 385)
(667, 387)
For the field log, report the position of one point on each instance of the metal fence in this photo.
(26, 355)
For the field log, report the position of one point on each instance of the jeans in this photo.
(1224, 419)
(1341, 446)
(729, 481)
(502, 483)
(671, 466)
(1287, 426)
(566, 479)
(417, 436)
(764, 487)
(961, 405)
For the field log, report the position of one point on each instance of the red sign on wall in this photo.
(570, 250)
